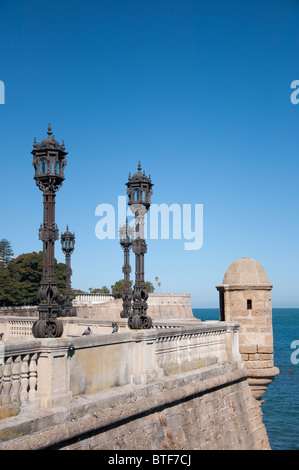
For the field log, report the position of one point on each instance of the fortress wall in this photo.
(205, 409)
(166, 388)
(160, 306)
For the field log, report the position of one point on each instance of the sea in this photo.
(281, 400)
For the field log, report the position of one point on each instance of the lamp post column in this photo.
(68, 246)
(49, 162)
(139, 192)
(48, 325)
(126, 235)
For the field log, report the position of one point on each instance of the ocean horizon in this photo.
(281, 400)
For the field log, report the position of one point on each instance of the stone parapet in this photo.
(205, 409)
(50, 372)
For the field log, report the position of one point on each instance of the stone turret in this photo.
(245, 298)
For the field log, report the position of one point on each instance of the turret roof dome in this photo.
(246, 271)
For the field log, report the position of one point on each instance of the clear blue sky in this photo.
(198, 91)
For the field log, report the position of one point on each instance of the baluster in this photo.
(7, 372)
(33, 376)
(15, 390)
(24, 378)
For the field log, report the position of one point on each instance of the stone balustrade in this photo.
(46, 373)
(18, 377)
(92, 298)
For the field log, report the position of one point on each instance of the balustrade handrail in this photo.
(29, 368)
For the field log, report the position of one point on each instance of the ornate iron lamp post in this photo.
(139, 190)
(49, 161)
(126, 234)
(68, 245)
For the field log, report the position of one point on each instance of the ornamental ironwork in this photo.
(126, 234)
(68, 245)
(139, 190)
(49, 161)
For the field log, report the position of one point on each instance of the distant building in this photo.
(85, 299)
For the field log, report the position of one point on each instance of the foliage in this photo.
(77, 292)
(158, 283)
(149, 286)
(6, 252)
(118, 288)
(20, 279)
(102, 290)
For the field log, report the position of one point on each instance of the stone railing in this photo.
(20, 328)
(92, 298)
(46, 373)
(18, 377)
(188, 350)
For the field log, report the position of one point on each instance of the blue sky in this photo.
(198, 91)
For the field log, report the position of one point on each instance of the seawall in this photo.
(172, 387)
(205, 409)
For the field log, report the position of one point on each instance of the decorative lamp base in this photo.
(47, 328)
(137, 322)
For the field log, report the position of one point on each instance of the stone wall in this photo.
(204, 414)
(172, 387)
(210, 408)
(26, 311)
(245, 298)
(160, 306)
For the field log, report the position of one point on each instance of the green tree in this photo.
(158, 283)
(9, 287)
(102, 290)
(149, 287)
(6, 252)
(118, 288)
(77, 292)
(20, 280)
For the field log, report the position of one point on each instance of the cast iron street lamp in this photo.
(49, 161)
(68, 245)
(139, 190)
(126, 234)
